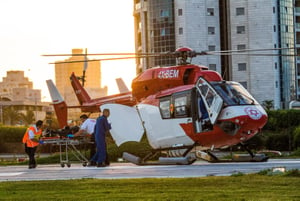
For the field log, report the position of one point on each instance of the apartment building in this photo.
(211, 25)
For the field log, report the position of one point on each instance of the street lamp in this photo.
(1, 112)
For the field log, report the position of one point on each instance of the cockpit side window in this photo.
(176, 106)
(180, 106)
(165, 107)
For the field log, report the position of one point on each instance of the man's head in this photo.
(83, 117)
(39, 124)
(106, 112)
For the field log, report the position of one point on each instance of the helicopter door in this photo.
(211, 99)
(126, 124)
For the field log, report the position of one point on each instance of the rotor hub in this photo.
(183, 54)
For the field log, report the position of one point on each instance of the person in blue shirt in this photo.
(101, 128)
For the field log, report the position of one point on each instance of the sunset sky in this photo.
(30, 28)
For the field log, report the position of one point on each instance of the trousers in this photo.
(30, 151)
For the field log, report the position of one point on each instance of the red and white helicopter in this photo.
(178, 108)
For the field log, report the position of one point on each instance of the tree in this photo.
(268, 104)
(11, 115)
(28, 118)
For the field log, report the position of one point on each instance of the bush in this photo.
(280, 119)
(140, 149)
(296, 135)
(11, 134)
(279, 142)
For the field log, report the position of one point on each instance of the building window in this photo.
(276, 84)
(211, 30)
(286, 28)
(275, 65)
(298, 69)
(210, 12)
(274, 28)
(212, 67)
(163, 32)
(240, 11)
(274, 9)
(211, 48)
(240, 29)
(180, 12)
(242, 67)
(241, 47)
(164, 13)
(180, 31)
(152, 33)
(275, 46)
(244, 84)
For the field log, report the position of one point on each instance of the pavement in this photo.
(128, 170)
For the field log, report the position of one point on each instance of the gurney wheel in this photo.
(62, 165)
(69, 165)
(84, 164)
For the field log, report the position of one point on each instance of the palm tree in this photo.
(268, 104)
(11, 115)
(28, 118)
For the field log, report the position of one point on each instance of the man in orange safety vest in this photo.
(31, 141)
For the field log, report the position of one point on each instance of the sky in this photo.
(30, 28)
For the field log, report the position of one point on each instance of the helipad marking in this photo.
(9, 174)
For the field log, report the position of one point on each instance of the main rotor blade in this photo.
(251, 54)
(134, 57)
(98, 54)
(91, 60)
(244, 50)
(166, 53)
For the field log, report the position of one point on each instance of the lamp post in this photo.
(35, 102)
(1, 111)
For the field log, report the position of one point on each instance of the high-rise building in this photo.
(92, 81)
(297, 41)
(210, 25)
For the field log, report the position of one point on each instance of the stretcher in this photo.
(67, 145)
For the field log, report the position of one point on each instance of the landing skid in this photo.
(210, 157)
(187, 160)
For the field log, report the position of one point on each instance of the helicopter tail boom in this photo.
(59, 104)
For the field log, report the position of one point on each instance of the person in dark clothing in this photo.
(31, 141)
(101, 128)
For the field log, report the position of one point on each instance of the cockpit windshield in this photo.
(233, 93)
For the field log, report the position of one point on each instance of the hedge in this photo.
(11, 134)
(282, 133)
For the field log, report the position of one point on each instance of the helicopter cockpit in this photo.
(233, 93)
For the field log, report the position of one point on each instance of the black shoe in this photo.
(31, 166)
(92, 163)
(101, 165)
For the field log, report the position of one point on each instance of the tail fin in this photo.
(59, 104)
(80, 92)
(121, 85)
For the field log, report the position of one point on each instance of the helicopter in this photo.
(178, 108)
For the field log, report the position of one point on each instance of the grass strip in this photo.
(243, 187)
